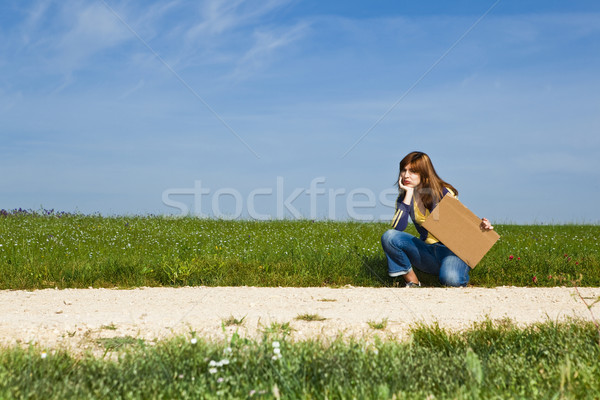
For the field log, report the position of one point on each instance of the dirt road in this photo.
(75, 318)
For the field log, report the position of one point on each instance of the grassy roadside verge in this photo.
(490, 360)
(64, 250)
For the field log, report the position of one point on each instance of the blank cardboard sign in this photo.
(457, 228)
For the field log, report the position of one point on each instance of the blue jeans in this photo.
(404, 251)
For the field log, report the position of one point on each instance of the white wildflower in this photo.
(212, 370)
(194, 340)
(44, 355)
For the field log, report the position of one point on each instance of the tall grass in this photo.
(491, 360)
(64, 250)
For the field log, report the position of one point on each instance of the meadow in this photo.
(489, 361)
(48, 249)
(492, 359)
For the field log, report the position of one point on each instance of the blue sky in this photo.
(113, 106)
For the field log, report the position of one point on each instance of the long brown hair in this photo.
(431, 189)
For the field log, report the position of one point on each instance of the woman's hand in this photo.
(404, 187)
(486, 225)
(409, 190)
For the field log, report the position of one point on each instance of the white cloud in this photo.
(34, 19)
(141, 83)
(266, 43)
(221, 16)
(92, 29)
(60, 39)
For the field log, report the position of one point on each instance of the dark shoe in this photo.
(413, 284)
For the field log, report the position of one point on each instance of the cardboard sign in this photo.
(457, 228)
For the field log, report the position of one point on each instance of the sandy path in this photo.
(75, 318)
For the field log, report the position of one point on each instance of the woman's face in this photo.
(409, 178)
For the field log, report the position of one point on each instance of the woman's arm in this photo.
(408, 192)
(400, 220)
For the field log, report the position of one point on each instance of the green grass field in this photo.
(488, 361)
(552, 360)
(70, 251)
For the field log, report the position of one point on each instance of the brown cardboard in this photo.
(457, 228)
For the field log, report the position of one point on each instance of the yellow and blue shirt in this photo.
(403, 211)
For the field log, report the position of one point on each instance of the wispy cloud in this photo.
(56, 40)
(266, 44)
(91, 29)
(221, 16)
(238, 36)
(141, 83)
(32, 22)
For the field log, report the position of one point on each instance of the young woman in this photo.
(421, 189)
